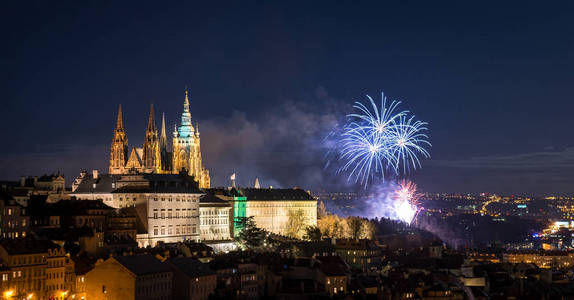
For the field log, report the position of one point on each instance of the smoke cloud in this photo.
(285, 147)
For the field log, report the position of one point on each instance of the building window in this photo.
(155, 230)
(155, 213)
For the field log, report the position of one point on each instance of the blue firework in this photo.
(381, 140)
(408, 142)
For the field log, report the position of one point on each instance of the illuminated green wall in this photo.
(239, 211)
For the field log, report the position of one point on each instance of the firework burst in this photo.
(406, 201)
(378, 140)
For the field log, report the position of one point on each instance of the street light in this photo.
(8, 294)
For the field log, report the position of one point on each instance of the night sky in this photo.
(268, 81)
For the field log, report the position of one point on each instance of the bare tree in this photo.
(321, 210)
(367, 229)
(296, 224)
(355, 225)
(332, 226)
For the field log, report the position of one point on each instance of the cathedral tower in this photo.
(119, 148)
(186, 148)
(151, 151)
(183, 139)
(165, 155)
(154, 156)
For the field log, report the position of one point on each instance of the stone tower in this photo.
(186, 148)
(183, 140)
(151, 151)
(154, 156)
(119, 148)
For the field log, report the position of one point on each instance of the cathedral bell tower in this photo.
(183, 140)
(151, 151)
(119, 149)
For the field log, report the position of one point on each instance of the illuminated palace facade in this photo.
(154, 156)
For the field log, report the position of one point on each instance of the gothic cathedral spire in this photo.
(119, 148)
(165, 161)
(151, 151)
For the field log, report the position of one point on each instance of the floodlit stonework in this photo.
(154, 156)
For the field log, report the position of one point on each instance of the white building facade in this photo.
(167, 205)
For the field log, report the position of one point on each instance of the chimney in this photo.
(22, 181)
(95, 174)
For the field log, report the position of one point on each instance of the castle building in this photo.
(154, 156)
(166, 205)
(275, 210)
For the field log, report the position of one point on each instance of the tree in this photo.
(332, 226)
(250, 237)
(321, 210)
(312, 233)
(368, 229)
(296, 223)
(355, 225)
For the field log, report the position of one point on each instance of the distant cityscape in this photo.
(324, 126)
(178, 242)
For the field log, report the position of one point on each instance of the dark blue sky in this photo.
(494, 80)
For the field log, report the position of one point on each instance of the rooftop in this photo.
(275, 194)
(191, 266)
(27, 246)
(149, 183)
(142, 264)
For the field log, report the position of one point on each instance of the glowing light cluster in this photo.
(382, 139)
(406, 203)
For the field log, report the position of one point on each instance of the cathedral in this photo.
(154, 156)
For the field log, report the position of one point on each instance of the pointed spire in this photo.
(151, 122)
(257, 185)
(162, 124)
(163, 137)
(120, 122)
(186, 103)
(186, 129)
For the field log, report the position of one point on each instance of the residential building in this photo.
(192, 279)
(361, 254)
(140, 277)
(15, 223)
(35, 267)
